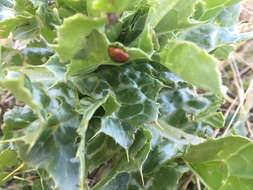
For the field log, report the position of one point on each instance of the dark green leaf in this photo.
(37, 53)
(119, 183)
(133, 95)
(55, 139)
(167, 177)
(137, 155)
(17, 83)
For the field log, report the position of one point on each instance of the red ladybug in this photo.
(117, 55)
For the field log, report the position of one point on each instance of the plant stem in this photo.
(198, 183)
(188, 181)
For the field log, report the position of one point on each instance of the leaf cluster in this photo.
(89, 122)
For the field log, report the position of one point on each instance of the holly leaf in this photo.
(11, 58)
(9, 24)
(228, 16)
(17, 118)
(176, 17)
(94, 53)
(47, 74)
(87, 108)
(162, 151)
(19, 85)
(138, 153)
(135, 102)
(163, 17)
(164, 178)
(72, 34)
(200, 68)
(37, 53)
(119, 183)
(174, 134)
(53, 137)
(214, 8)
(209, 36)
(223, 163)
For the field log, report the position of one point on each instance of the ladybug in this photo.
(117, 55)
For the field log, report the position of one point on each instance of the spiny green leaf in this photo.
(54, 139)
(138, 153)
(119, 183)
(11, 58)
(165, 177)
(8, 25)
(164, 16)
(71, 35)
(224, 163)
(229, 16)
(135, 105)
(122, 132)
(193, 65)
(193, 114)
(95, 154)
(49, 73)
(37, 53)
(87, 108)
(90, 119)
(94, 53)
(145, 42)
(162, 151)
(214, 8)
(111, 105)
(216, 120)
(27, 31)
(17, 118)
(173, 173)
(16, 82)
(210, 36)
(176, 18)
(174, 134)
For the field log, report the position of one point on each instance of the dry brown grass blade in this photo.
(250, 88)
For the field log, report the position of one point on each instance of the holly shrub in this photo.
(120, 94)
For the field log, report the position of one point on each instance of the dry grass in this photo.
(238, 77)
